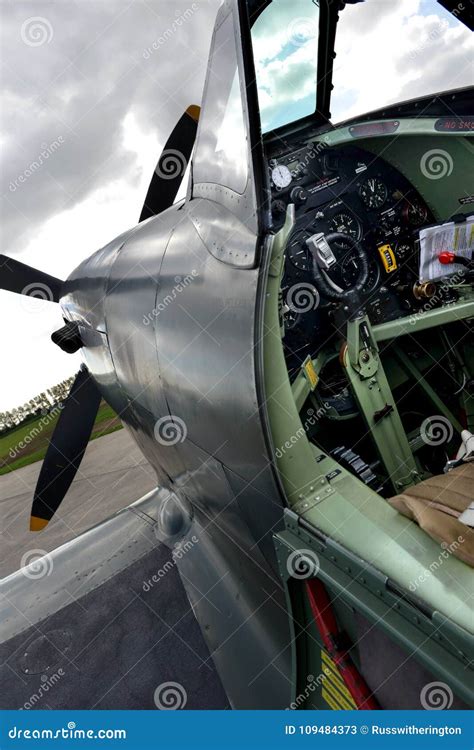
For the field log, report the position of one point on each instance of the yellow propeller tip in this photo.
(194, 111)
(37, 524)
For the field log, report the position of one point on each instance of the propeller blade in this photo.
(66, 449)
(22, 279)
(172, 164)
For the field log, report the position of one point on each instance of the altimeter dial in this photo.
(373, 192)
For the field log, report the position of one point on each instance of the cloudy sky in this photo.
(387, 51)
(97, 85)
(98, 78)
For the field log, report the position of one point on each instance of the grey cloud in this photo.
(100, 61)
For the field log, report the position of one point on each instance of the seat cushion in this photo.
(436, 505)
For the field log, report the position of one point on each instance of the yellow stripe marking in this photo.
(36, 524)
(342, 701)
(335, 678)
(329, 663)
(326, 696)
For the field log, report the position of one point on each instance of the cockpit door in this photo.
(227, 166)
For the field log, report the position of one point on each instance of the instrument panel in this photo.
(351, 192)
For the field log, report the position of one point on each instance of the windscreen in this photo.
(388, 52)
(221, 150)
(285, 48)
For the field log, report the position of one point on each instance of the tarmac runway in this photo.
(113, 474)
(124, 644)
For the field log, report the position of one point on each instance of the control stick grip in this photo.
(363, 268)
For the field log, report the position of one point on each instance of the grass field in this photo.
(28, 443)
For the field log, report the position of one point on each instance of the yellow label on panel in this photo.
(334, 690)
(311, 374)
(388, 258)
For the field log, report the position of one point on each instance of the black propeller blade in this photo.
(22, 279)
(172, 164)
(66, 449)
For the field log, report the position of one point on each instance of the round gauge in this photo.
(346, 272)
(347, 224)
(373, 192)
(415, 212)
(298, 252)
(349, 274)
(281, 176)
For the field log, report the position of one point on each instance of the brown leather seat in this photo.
(436, 505)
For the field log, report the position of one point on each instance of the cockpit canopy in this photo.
(383, 53)
(276, 64)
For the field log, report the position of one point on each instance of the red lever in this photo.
(325, 621)
(446, 258)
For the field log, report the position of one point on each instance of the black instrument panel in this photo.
(350, 191)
